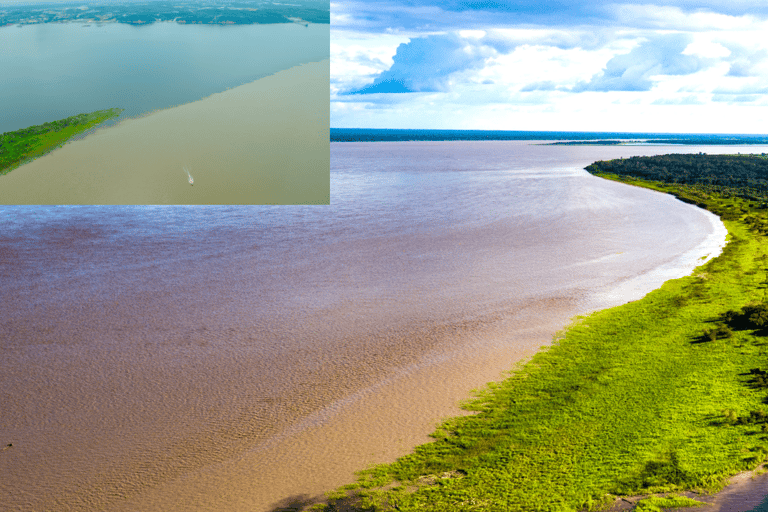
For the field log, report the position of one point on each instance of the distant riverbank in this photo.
(559, 138)
(131, 13)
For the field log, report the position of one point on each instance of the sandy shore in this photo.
(374, 425)
(266, 142)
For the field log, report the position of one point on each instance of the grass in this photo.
(21, 146)
(633, 400)
(657, 503)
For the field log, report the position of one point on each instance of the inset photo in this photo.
(160, 102)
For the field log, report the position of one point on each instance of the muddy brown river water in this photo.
(238, 358)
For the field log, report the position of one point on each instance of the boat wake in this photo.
(191, 180)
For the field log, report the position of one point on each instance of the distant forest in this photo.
(560, 138)
(730, 171)
(220, 12)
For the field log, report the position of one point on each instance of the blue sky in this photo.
(677, 66)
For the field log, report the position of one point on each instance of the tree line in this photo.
(733, 171)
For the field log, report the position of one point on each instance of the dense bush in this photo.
(752, 316)
(718, 333)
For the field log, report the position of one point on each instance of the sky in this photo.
(585, 65)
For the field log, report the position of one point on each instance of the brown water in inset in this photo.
(266, 142)
(233, 358)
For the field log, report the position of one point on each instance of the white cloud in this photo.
(472, 34)
(427, 64)
(675, 18)
(637, 70)
(707, 49)
(595, 111)
(577, 37)
(676, 99)
(338, 17)
(356, 57)
(527, 65)
(671, 69)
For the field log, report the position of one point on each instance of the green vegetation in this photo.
(657, 503)
(660, 395)
(742, 175)
(27, 144)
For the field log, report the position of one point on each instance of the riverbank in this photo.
(259, 370)
(20, 146)
(632, 400)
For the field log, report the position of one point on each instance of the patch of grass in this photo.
(656, 503)
(628, 402)
(21, 146)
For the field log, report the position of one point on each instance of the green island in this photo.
(654, 403)
(21, 146)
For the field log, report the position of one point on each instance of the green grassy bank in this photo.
(23, 145)
(667, 393)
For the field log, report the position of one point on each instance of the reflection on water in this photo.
(156, 358)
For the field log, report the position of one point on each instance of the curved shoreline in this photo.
(683, 265)
(236, 482)
(673, 295)
(238, 477)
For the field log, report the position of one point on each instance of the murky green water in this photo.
(55, 70)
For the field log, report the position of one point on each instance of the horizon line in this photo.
(553, 131)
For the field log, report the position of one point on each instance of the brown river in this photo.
(251, 357)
